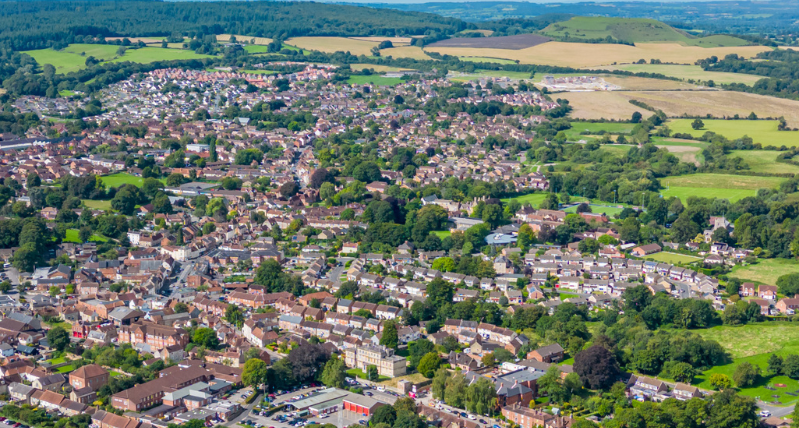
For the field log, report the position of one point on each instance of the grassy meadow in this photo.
(672, 258)
(761, 131)
(375, 79)
(754, 343)
(765, 161)
(765, 271)
(73, 57)
(725, 186)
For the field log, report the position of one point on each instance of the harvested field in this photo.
(413, 52)
(600, 105)
(521, 41)
(644, 83)
(483, 59)
(241, 38)
(396, 41)
(334, 44)
(615, 104)
(683, 153)
(594, 55)
(687, 72)
(379, 68)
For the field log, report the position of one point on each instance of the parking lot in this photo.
(290, 418)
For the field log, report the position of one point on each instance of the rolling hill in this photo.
(632, 30)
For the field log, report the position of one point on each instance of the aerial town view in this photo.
(284, 214)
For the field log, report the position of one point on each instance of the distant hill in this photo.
(631, 30)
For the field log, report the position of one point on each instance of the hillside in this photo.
(35, 25)
(631, 30)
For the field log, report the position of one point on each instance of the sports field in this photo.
(580, 55)
(97, 205)
(765, 161)
(374, 79)
(615, 104)
(725, 186)
(754, 343)
(765, 271)
(73, 57)
(672, 258)
(256, 49)
(761, 131)
(688, 72)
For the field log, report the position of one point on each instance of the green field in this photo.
(765, 271)
(754, 343)
(259, 71)
(725, 186)
(619, 150)
(118, 179)
(256, 48)
(533, 199)
(598, 209)
(73, 236)
(765, 161)
(636, 30)
(689, 72)
(374, 79)
(761, 131)
(672, 258)
(486, 59)
(596, 127)
(73, 57)
(359, 373)
(442, 233)
(97, 205)
(114, 373)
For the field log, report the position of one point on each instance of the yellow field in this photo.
(686, 72)
(644, 83)
(405, 52)
(396, 41)
(595, 105)
(593, 55)
(334, 44)
(242, 38)
(378, 68)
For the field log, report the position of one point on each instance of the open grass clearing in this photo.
(73, 57)
(442, 233)
(415, 378)
(598, 209)
(359, 373)
(754, 343)
(148, 55)
(688, 72)
(596, 127)
(581, 55)
(72, 235)
(672, 258)
(765, 161)
(706, 192)
(761, 131)
(374, 79)
(765, 271)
